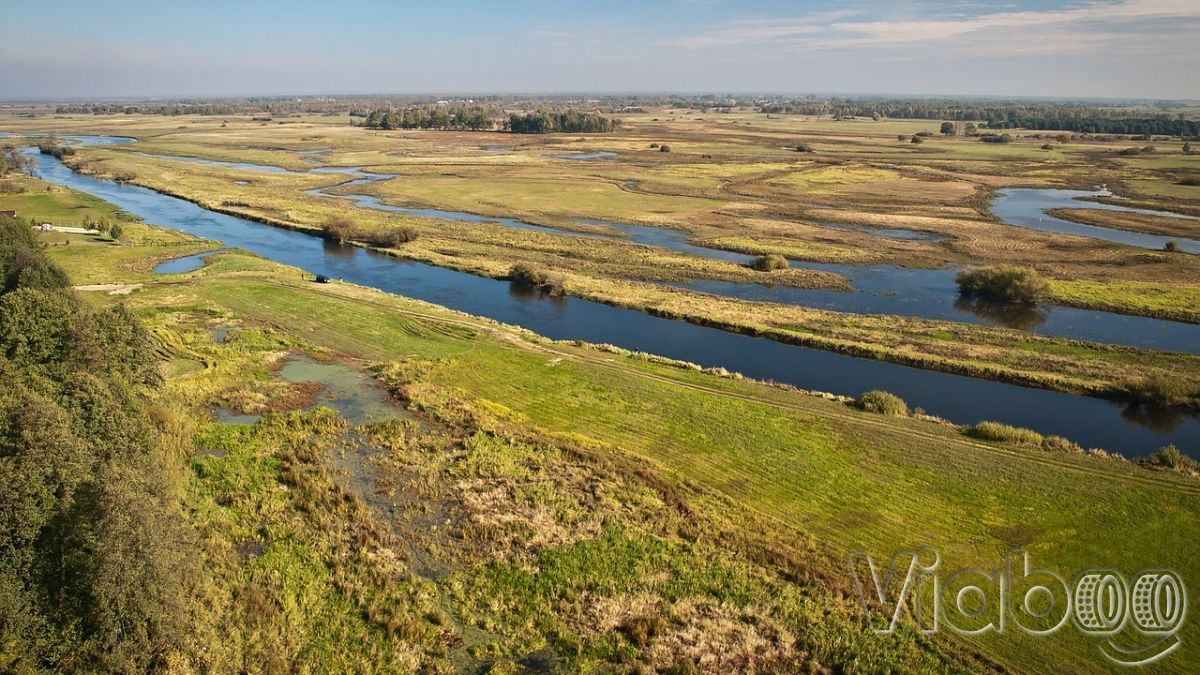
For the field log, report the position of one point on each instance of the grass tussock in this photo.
(769, 262)
(1171, 457)
(1005, 433)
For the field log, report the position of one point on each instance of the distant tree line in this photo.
(486, 118)
(570, 121)
(1160, 125)
(444, 117)
(95, 557)
(1074, 117)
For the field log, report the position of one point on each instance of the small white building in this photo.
(46, 227)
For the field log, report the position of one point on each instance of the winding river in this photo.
(880, 288)
(1091, 422)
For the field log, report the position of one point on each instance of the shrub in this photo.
(391, 237)
(1130, 152)
(769, 262)
(1149, 149)
(1159, 390)
(654, 145)
(995, 138)
(1171, 246)
(901, 137)
(1010, 283)
(10, 188)
(1060, 444)
(1190, 181)
(1004, 433)
(1171, 457)
(882, 402)
(664, 148)
(917, 140)
(342, 229)
(1047, 147)
(52, 147)
(528, 276)
(803, 147)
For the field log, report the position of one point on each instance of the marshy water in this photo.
(354, 395)
(1089, 421)
(187, 263)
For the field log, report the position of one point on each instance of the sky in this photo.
(1053, 48)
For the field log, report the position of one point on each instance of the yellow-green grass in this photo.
(1169, 301)
(48, 203)
(565, 198)
(1164, 188)
(827, 180)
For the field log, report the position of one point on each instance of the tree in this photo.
(1187, 148)
(948, 129)
(117, 232)
(917, 140)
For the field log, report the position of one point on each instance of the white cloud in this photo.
(1073, 28)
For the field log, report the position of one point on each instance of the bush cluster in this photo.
(1160, 391)
(389, 236)
(528, 276)
(1009, 283)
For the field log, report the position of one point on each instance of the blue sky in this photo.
(1112, 48)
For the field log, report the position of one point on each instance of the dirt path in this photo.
(111, 289)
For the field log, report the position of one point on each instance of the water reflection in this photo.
(527, 294)
(1009, 315)
(333, 248)
(1158, 420)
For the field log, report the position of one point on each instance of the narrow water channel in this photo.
(1091, 422)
